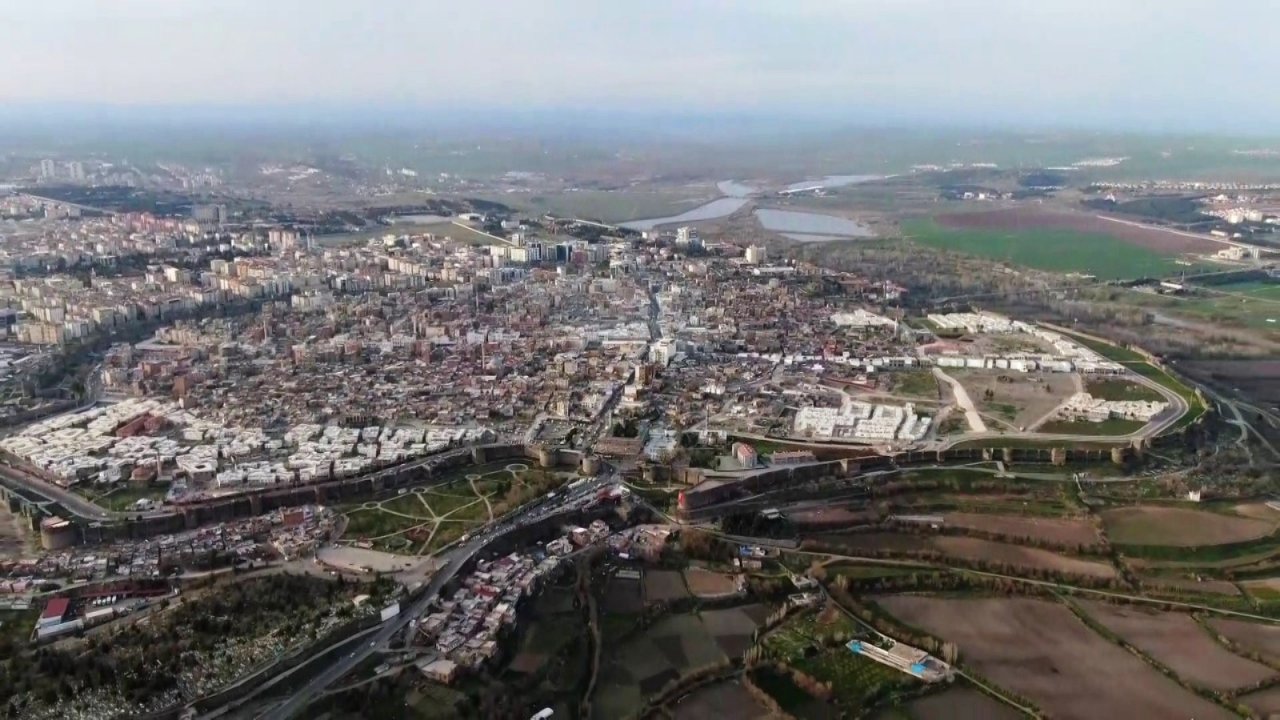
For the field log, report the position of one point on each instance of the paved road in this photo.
(456, 558)
(75, 504)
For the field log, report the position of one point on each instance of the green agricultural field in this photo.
(1047, 249)
(1259, 309)
(791, 640)
(857, 682)
(1255, 288)
(1110, 427)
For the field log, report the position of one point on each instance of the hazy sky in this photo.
(1158, 63)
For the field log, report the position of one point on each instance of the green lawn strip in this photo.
(1204, 553)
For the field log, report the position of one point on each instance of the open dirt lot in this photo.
(1258, 637)
(1039, 650)
(1060, 531)
(958, 703)
(722, 700)
(1030, 218)
(1021, 399)
(1181, 527)
(705, 583)
(973, 549)
(1179, 643)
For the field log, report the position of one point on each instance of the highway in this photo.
(75, 504)
(457, 558)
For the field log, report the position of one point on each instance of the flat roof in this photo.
(56, 608)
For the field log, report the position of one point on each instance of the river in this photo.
(811, 227)
(805, 227)
(710, 211)
(831, 181)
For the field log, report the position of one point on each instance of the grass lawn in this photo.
(920, 383)
(1112, 426)
(1047, 249)
(1030, 444)
(407, 504)
(1004, 411)
(375, 523)
(122, 497)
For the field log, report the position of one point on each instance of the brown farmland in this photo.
(1256, 637)
(1264, 702)
(705, 583)
(1180, 527)
(973, 550)
(664, 586)
(728, 699)
(1040, 650)
(1059, 531)
(1031, 218)
(833, 517)
(1179, 643)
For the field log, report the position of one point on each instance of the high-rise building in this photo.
(218, 214)
(75, 170)
(756, 255)
(48, 169)
(687, 237)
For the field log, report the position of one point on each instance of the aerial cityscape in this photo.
(616, 361)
